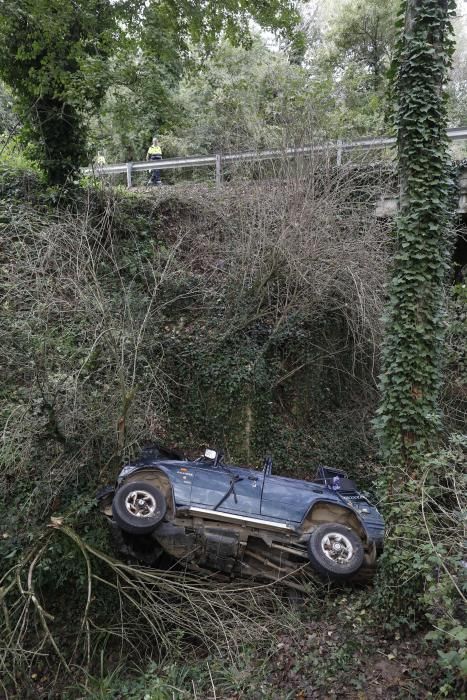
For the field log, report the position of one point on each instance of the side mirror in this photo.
(212, 455)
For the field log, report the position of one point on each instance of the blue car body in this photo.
(216, 504)
(261, 495)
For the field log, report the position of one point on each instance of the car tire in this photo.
(335, 551)
(138, 507)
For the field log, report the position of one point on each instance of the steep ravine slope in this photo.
(246, 318)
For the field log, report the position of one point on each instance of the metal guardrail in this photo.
(218, 160)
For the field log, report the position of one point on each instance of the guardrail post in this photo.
(128, 174)
(218, 170)
(339, 152)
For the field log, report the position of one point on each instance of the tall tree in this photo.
(364, 35)
(352, 63)
(53, 55)
(409, 414)
(246, 98)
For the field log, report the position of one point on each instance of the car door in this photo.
(286, 499)
(228, 490)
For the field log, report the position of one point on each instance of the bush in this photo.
(421, 580)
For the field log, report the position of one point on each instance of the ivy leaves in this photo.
(54, 55)
(409, 417)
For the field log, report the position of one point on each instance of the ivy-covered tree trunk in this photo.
(409, 414)
(54, 55)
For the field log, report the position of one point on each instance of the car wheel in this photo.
(138, 507)
(335, 551)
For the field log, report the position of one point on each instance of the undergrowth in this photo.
(247, 319)
(197, 318)
(422, 583)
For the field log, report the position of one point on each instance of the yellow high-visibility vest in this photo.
(154, 151)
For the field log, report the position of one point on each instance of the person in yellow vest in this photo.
(154, 153)
(100, 159)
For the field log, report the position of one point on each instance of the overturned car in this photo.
(241, 521)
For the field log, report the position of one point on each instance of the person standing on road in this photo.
(100, 159)
(154, 153)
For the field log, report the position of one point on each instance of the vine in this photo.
(408, 419)
(54, 57)
(420, 569)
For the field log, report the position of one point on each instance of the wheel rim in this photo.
(337, 548)
(140, 504)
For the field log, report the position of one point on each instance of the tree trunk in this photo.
(409, 414)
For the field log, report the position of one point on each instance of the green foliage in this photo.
(203, 93)
(8, 121)
(53, 56)
(13, 157)
(168, 42)
(144, 72)
(174, 679)
(230, 97)
(181, 676)
(350, 67)
(409, 416)
(421, 579)
(421, 568)
(203, 25)
(363, 35)
(243, 98)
